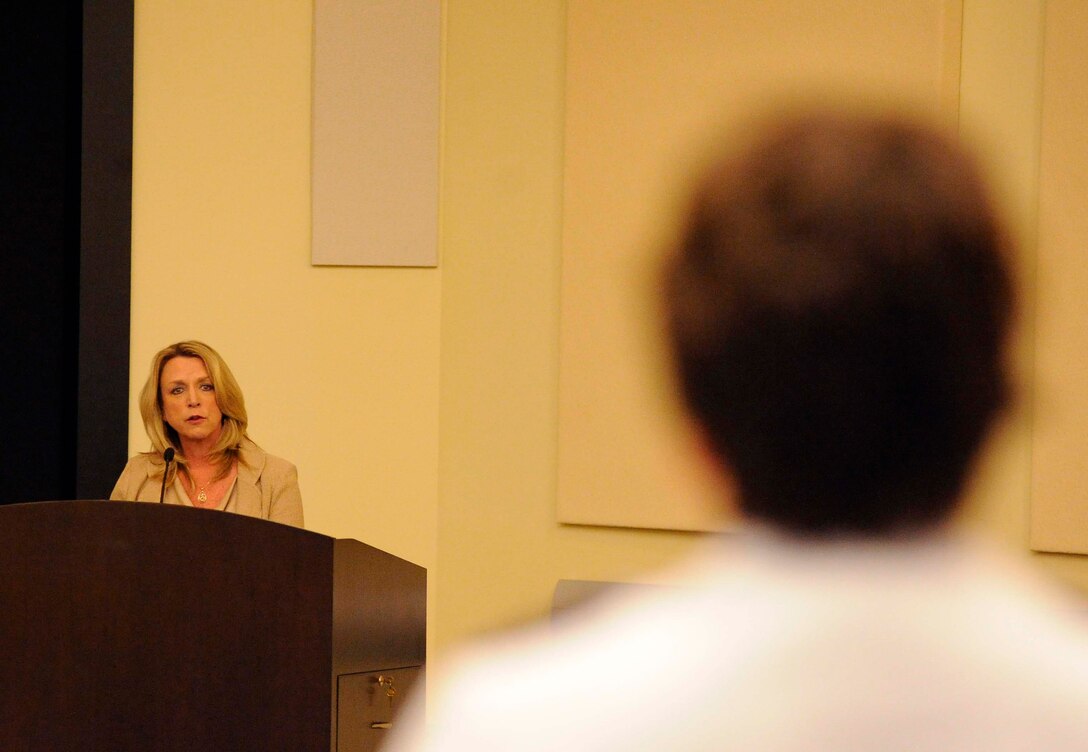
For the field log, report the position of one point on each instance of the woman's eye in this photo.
(207, 387)
(176, 390)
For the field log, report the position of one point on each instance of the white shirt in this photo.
(780, 644)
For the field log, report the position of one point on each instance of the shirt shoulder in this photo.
(134, 478)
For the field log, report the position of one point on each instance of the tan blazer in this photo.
(266, 487)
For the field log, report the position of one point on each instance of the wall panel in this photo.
(1059, 486)
(643, 80)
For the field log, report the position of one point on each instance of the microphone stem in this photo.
(168, 457)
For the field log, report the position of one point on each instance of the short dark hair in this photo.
(838, 308)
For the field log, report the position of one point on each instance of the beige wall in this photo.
(500, 548)
(1000, 106)
(650, 86)
(339, 365)
(1059, 475)
(419, 404)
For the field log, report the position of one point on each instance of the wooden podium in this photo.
(135, 626)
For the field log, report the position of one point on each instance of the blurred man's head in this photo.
(838, 309)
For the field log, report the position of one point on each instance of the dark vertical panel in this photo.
(54, 273)
(105, 246)
(39, 262)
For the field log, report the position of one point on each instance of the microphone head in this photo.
(168, 455)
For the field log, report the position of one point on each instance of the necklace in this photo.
(201, 496)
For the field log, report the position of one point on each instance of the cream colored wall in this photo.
(339, 365)
(1000, 105)
(500, 549)
(1059, 474)
(344, 369)
(648, 91)
(420, 405)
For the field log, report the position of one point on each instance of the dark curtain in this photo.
(65, 198)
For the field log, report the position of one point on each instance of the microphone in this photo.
(167, 457)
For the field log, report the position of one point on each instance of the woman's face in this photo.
(188, 400)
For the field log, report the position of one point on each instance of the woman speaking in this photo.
(193, 408)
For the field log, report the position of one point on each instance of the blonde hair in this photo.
(228, 396)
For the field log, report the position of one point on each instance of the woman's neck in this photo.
(197, 452)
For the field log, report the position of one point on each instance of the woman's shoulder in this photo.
(277, 480)
(139, 463)
(261, 462)
(138, 470)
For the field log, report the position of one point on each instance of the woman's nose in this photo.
(193, 397)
